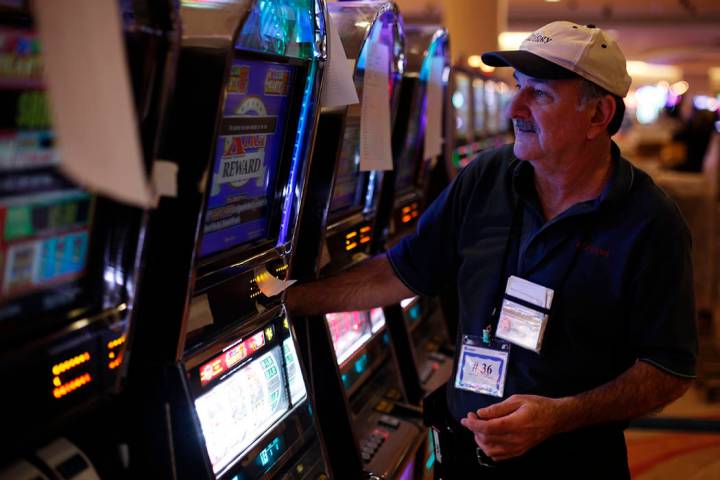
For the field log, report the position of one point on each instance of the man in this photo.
(573, 271)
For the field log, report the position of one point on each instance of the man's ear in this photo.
(602, 116)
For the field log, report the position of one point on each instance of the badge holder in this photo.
(524, 314)
(482, 365)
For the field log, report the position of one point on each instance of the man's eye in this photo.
(540, 93)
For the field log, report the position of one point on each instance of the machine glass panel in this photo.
(45, 221)
(281, 27)
(247, 154)
(348, 189)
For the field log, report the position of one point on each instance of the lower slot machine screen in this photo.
(237, 411)
(349, 332)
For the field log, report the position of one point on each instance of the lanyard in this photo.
(511, 257)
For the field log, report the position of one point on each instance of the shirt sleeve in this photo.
(427, 260)
(663, 329)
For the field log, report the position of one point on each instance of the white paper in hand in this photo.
(91, 99)
(338, 86)
(434, 112)
(375, 133)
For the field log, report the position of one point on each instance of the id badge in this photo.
(524, 313)
(482, 367)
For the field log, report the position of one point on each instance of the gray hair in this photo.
(590, 91)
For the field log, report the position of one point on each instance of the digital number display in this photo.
(269, 455)
(71, 374)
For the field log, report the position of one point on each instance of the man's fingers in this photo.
(506, 407)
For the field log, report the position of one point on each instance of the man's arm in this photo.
(513, 426)
(370, 284)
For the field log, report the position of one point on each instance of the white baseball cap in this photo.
(564, 50)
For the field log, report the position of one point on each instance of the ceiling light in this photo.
(511, 40)
(475, 61)
(678, 88)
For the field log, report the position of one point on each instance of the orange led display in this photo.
(233, 356)
(116, 362)
(116, 343)
(71, 386)
(73, 362)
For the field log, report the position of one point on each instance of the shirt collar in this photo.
(619, 185)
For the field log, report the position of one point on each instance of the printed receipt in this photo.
(270, 285)
(375, 141)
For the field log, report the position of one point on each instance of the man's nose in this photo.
(518, 105)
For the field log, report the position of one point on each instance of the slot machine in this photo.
(480, 114)
(497, 96)
(462, 102)
(69, 261)
(428, 49)
(352, 356)
(214, 374)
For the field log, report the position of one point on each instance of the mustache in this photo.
(523, 125)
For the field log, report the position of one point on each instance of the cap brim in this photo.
(528, 64)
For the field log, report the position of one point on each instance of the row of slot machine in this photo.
(481, 115)
(144, 343)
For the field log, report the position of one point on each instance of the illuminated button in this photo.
(438, 357)
(383, 406)
(390, 422)
(372, 445)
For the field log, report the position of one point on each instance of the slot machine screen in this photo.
(506, 97)
(461, 101)
(492, 100)
(479, 104)
(349, 332)
(348, 188)
(248, 151)
(240, 400)
(45, 221)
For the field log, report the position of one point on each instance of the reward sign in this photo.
(240, 169)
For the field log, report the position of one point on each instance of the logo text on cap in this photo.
(538, 38)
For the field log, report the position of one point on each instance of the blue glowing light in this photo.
(298, 152)
(361, 364)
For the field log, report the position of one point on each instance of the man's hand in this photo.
(515, 425)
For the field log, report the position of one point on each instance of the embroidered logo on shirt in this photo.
(592, 249)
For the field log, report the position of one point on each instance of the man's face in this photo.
(549, 126)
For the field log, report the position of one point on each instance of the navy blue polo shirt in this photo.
(619, 264)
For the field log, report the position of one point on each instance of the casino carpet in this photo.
(656, 453)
